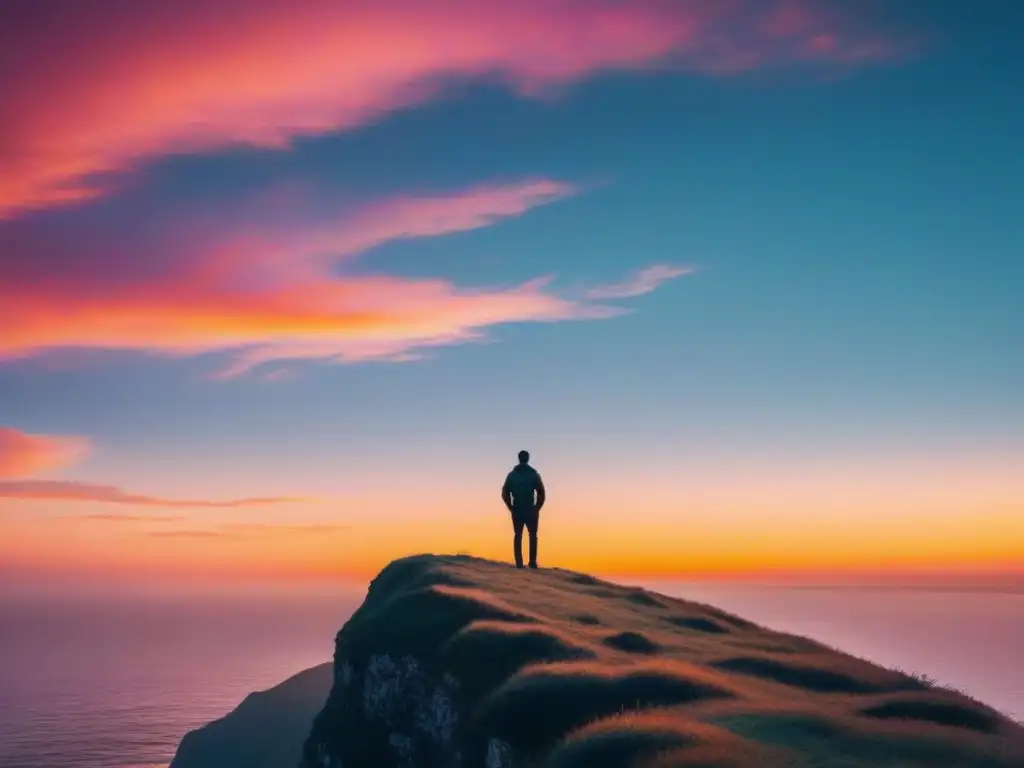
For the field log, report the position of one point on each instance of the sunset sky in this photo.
(284, 287)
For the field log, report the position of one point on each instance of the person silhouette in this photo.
(524, 495)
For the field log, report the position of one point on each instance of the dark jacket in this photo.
(523, 490)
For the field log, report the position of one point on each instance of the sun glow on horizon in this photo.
(283, 309)
(300, 542)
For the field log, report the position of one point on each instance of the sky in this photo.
(285, 287)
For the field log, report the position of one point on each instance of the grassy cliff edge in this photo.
(456, 661)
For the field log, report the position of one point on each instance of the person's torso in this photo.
(522, 484)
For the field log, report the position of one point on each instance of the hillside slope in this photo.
(454, 661)
(265, 731)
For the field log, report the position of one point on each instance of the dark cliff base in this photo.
(459, 662)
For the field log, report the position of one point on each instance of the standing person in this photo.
(523, 494)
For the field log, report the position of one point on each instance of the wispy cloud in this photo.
(23, 454)
(285, 527)
(58, 490)
(263, 72)
(644, 281)
(251, 530)
(268, 283)
(113, 518)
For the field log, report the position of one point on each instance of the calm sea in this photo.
(95, 683)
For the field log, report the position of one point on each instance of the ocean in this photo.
(115, 683)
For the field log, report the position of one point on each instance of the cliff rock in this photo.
(265, 731)
(454, 662)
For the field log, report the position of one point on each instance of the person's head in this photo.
(524, 456)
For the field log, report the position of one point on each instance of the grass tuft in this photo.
(487, 653)
(632, 642)
(532, 710)
(940, 713)
(811, 678)
(698, 624)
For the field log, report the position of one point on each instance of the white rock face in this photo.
(499, 754)
(437, 717)
(325, 760)
(384, 686)
(419, 712)
(345, 674)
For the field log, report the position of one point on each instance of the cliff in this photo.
(454, 661)
(265, 731)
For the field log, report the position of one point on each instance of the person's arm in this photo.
(541, 494)
(506, 495)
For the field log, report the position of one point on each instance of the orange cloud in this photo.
(24, 455)
(57, 490)
(135, 79)
(266, 286)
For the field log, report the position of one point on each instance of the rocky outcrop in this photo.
(462, 663)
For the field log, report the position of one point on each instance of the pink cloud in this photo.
(92, 89)
(268, 285)
(23, 454)
(645, 281)
(57, 490)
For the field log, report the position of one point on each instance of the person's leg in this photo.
(517, 541)
(532, 526)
